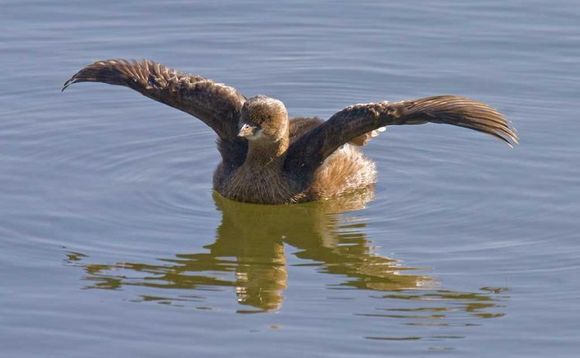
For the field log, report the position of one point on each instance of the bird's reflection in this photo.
(249, 256)
(256, 234)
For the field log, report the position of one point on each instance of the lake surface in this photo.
(113, 244)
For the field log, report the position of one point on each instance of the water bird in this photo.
(269, 158)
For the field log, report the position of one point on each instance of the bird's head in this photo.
(263, 119)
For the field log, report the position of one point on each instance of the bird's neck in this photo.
(263, 154)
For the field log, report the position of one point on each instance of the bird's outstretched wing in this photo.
(216, 104)
(307, 153)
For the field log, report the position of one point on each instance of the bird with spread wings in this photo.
(310, 142)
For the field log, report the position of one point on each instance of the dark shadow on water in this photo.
(249, 257)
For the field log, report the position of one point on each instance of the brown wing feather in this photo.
(301, 125)
(458, 111)
(308, 152)
(217, 105)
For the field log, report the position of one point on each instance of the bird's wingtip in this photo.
(67, 84)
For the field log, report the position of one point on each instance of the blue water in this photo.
(113, 244)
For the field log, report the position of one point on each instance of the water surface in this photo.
(112, 242)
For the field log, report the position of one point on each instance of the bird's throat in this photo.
(262, 154)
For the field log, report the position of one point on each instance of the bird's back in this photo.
(301, 125)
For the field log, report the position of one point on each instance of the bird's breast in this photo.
(260, 185)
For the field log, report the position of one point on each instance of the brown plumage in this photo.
(270, 159)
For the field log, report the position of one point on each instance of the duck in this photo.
(268, 157)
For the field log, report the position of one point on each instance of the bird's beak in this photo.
(246, 131)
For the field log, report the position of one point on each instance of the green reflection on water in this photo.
(249, 256)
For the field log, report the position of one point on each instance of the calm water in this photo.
(113, 244)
